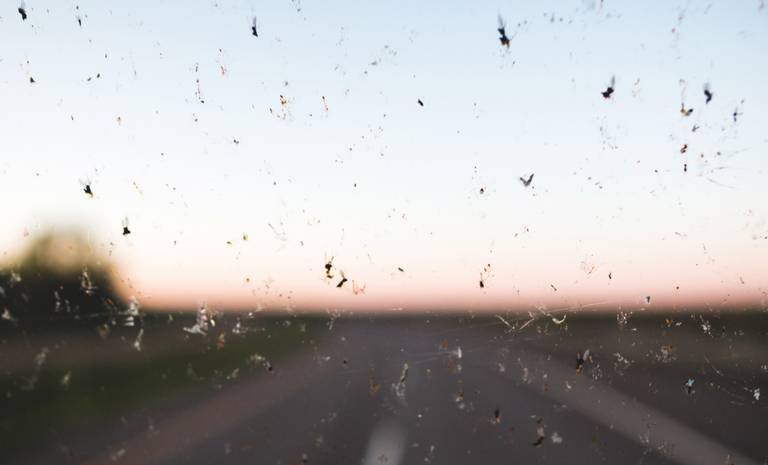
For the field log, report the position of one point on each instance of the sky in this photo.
(172, 112)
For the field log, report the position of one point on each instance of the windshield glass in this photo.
(383, 233)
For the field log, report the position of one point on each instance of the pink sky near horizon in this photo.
(671, 282)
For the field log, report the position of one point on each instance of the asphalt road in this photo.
(452, 390)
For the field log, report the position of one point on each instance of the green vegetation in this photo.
(73, 356)
(172, 367)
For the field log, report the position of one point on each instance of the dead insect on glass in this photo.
(403, 374)
(503, 33)
(343, 279)
(496, 417)
(580, 359)
(526, 182)
(609, 90)
(689, 386)
(86, 185)
(358, 289)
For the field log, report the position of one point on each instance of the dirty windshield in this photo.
(383, 233)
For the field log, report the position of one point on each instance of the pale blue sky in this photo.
(490, 116)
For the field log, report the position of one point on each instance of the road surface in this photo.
(447, 390)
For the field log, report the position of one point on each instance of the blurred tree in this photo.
(58, 281)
